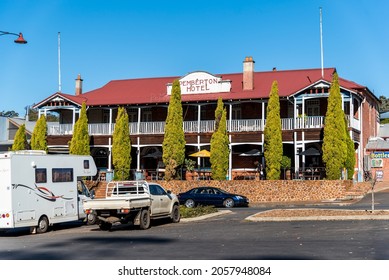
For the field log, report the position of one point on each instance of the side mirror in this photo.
(169, 191)
(92, 194)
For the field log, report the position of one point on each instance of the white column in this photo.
(110, 121)
(138, 154)
(139, 118)
(109, 153)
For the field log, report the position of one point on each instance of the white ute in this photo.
(133, 202)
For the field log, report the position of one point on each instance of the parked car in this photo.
(211, 196)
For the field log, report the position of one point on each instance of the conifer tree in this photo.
(173, 145)
(334, 141)
(38, 138)
(218, 112)
(121, 146)
(20, 140)
(273, 136)
(79, 144)
(220, 144)
(350, 159)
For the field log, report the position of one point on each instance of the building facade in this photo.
(303, 101)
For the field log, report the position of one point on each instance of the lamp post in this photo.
(19, 40)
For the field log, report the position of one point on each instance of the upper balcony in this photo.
(248, 125)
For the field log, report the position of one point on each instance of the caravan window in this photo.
(40, 175)
(86, 164)
(62, 175)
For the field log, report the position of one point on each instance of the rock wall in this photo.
(269, 191)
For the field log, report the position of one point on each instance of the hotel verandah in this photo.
(303, 100)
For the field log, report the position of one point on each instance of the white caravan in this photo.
(38, 190)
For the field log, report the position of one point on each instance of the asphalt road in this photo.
(225, 237)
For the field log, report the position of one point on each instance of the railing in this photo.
(250, 125)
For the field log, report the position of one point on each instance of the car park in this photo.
(211, 196)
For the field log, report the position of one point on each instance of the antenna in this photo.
(321, 44)
(59, 61)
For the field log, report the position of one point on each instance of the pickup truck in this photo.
(135, 202)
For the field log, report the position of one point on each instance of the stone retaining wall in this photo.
(269, 190)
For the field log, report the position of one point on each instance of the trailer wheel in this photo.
(105, 226)
(43, 225)
(144, 219)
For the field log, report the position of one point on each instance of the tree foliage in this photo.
(334, 141)
(79, 144)
(173, 145)
(121, 146)
(384, 106)
(9, 114)
(39, 135)
(20, 140)
(220, 144)
(273, 136)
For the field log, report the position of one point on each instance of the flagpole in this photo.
(321, 44)
(59, 62)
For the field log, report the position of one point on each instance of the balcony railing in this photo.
(198, 127)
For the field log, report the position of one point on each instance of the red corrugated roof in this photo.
(154, 90)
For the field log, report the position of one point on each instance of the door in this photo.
(82, 195)
(161, 200)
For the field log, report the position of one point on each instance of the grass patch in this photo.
(196, 211)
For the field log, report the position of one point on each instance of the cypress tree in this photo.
(218, 112)
(20, 140)
(220, 144)
(173, 145)
(273, 136)
(334, 141)
(350, 159)
(121, 146)
(38, 138)
(79, 144)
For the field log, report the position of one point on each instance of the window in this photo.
(86, 164)
(40, 175)
(62, 175)
(156, 190)
(313, 108)
(236, 113)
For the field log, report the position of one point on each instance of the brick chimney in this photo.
(79, 85)
(248, 73)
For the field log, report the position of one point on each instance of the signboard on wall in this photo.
(201, 82)
(377, 162)
(379, 155)
(379, 175)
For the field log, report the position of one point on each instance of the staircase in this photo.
(357, 191)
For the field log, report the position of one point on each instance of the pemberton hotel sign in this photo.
(201, 82)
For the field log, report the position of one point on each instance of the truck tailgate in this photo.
(117, 203)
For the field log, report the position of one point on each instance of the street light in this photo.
(19, 40)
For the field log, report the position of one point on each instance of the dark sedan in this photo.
(211, 196)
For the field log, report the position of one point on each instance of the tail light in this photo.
(4, 215)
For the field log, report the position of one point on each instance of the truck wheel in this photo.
(176, 214)
(91, 219)
(43, 225)
(144, 219)
(105, 226)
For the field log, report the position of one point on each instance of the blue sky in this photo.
(110, 40)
